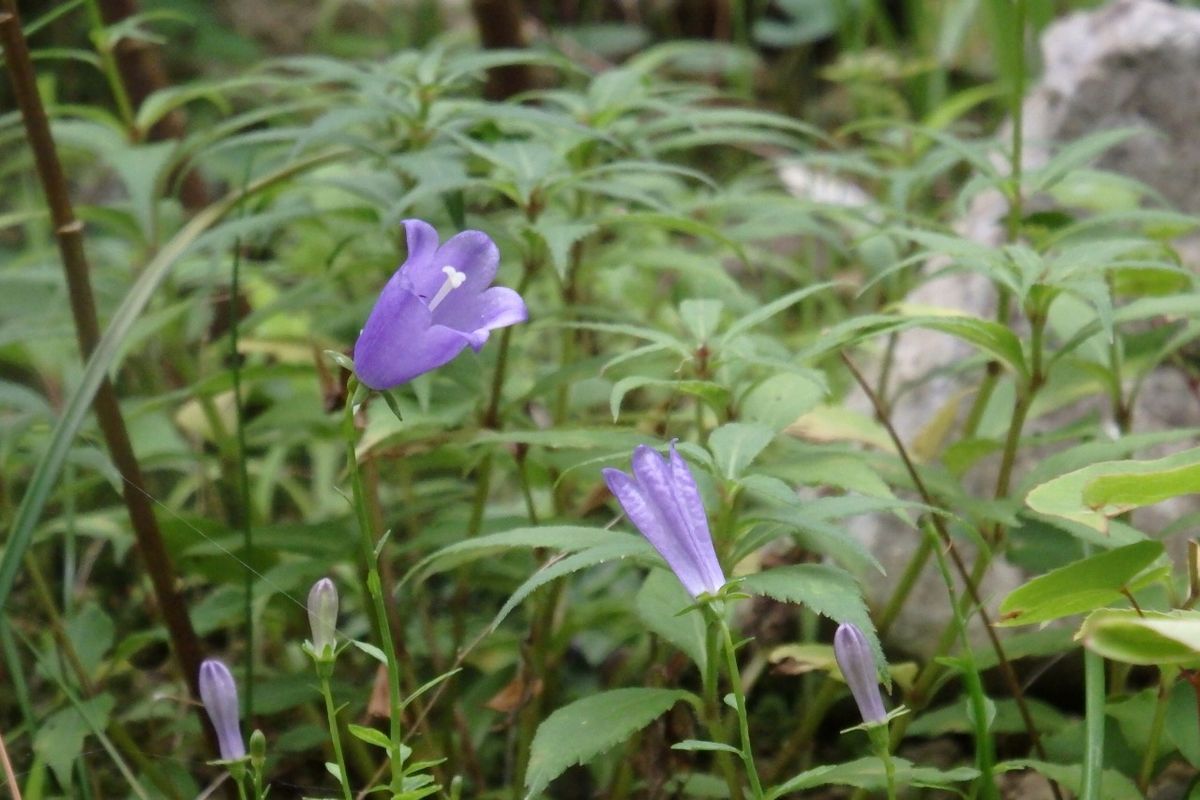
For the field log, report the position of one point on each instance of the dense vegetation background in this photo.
(751, 228)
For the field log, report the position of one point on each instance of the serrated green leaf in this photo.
(621, 546)
(577, 733)
(825, 589)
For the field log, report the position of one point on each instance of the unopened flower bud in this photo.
(854, 658)
(218, 692)
(322, 617)
(258, 750)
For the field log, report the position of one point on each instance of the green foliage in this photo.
(678, 289)
(586, 728)
(1083, 585)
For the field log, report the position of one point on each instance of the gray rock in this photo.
(1132, 63)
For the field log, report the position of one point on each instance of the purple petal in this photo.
(655, 483)
(476, 315)
(218, 692)
(472, 253)
(857, 664)
(691, 508)
(420, 271)
(399, 342)
(645, 518)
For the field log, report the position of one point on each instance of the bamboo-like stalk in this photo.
(69, 234)
(10, 777)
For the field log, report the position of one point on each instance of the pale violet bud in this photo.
(322, 616)
(218, 692)
(857, 663)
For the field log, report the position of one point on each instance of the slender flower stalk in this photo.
(662, 501)
(370, 565)
(739, 700)
(218, 692)
(436, 304)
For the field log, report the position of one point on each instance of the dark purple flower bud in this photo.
(218, 692)
(436, 304)
(857, 663)
(662, 500)
(322, 615)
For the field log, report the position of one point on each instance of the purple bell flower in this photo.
(854, 659)
(662, 500)
(218, 692)
(437, 303)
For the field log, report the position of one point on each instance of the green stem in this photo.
(1093, 756)
(881, 740)
(739, 697)
(335, 735)
(712, 708)
(112, 74)
(235, 367)
(374, 588)
(984, 755)
(1156, 731)
(1016, 110)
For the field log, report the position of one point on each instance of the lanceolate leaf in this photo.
(570, 538)
(1149, 638)
(868, 773)
(1080, 586)
(1095, 493)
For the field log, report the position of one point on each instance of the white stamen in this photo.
(454, 279)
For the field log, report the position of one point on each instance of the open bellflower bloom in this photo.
(857, 663)
(218, 692)
(436, 303)
(322, 615)
(662, 500)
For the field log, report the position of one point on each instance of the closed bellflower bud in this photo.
(218, 692)
(662, 501)
(438, 302)
(258, 750)
(857, 663)
(322, 616)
